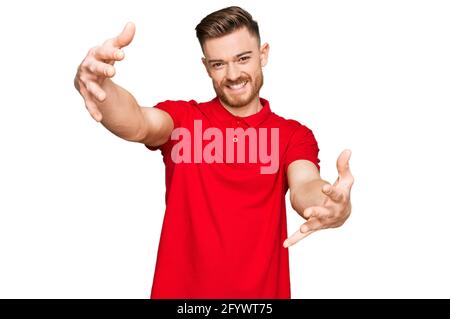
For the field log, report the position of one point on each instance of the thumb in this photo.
(126, 36)
(343, 168)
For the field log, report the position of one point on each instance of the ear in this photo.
(206, 66)
(264, 54)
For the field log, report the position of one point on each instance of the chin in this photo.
(238, 100)
(238, 103)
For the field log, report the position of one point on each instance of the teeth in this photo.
(237, 86)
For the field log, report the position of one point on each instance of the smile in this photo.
(237, 87)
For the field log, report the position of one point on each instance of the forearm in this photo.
(310, 194)
(122, 114)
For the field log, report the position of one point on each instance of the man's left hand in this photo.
(336, 207)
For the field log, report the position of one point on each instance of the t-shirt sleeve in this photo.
(302, 146)
(177, 111)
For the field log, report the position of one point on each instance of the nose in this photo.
(233, 72)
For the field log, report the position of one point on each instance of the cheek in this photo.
(253, 71)
(217, 78)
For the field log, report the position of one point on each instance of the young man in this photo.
(229, 163)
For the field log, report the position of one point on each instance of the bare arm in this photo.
(321, 204)
(122, 115)
(305, 185)
(112, 105)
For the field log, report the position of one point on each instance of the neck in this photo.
(251, 108)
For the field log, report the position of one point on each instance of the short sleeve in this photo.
(302, 145)
(177, 111)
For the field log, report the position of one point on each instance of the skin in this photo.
(112, 105)
(233, 59)
(228, 60)
(322, 205)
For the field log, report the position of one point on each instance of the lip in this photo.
(242, 89)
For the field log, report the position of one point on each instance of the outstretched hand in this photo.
(336, 207)
(97, 66)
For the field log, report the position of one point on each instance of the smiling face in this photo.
(234, 63)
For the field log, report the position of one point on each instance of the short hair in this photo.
(225, 21)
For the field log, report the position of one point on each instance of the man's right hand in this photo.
(97, 66)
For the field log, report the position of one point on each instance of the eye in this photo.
(244, 58)
(216, 65)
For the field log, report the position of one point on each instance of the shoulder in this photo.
(290, 126)
(177, 109)
(177, 103)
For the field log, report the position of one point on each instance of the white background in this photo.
(81, 210)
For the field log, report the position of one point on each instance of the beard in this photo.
(239, 100)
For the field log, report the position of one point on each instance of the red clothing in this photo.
(225, 223)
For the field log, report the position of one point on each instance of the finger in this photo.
(126, 36)
(295, 238)
(101, 69)
(343, 168)
(313, 224)
(315, 211)
(107, 53)
(90, 104)
(333, 193)
(96, 91)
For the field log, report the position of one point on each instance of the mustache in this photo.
(238, 81)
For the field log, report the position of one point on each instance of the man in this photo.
(229, 163)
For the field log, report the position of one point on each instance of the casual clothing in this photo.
(225, 223)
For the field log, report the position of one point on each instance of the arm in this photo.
(305, 185)
(122, 115)
(321, 204)
(111, 104)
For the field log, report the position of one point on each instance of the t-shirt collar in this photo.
(224, 116)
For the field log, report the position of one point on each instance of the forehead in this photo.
(230, 45)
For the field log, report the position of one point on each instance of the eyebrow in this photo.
(236, 56)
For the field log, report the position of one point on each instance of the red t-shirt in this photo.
(225, 221)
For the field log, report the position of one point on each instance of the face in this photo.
(234, 63)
